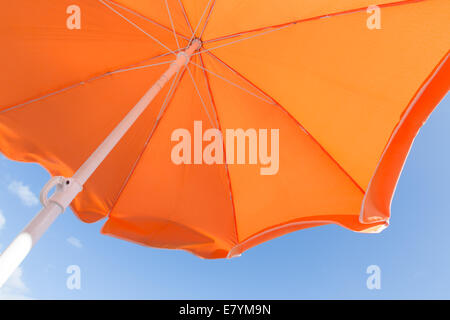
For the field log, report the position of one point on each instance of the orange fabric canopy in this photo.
(348, 102)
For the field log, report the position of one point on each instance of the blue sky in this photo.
(320, 263)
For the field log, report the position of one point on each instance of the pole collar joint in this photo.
(185, 55)
(66, 190)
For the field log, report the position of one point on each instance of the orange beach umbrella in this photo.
(334, 93)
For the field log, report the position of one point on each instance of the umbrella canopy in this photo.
(347, 101)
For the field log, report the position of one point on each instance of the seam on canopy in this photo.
(224, 150)
(390, 4)
(298, 123)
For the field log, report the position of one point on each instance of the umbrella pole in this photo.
(68, 188)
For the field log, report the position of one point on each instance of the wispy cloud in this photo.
(75, 242)
(15, 288)
(24, 193)
(2, 220)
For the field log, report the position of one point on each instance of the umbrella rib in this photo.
(185, 16)
(75, 85)
(170, 93)
(299, 124)
(211, 100)
(200, 21)
(232, 83)
(141, 67)
(207, 18)
(201, 99)
(137, 27)
(72, 86)
(242, 39)
(290, 23)
(171, 23)
(223, 147)
(270, 100)
(146, 18)
(166, 101)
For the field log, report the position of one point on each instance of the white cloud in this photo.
(2, 220)
(15, 288)
(49, 268)
(24, 193)
(75, 242)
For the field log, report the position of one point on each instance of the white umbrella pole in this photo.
(68, 188)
